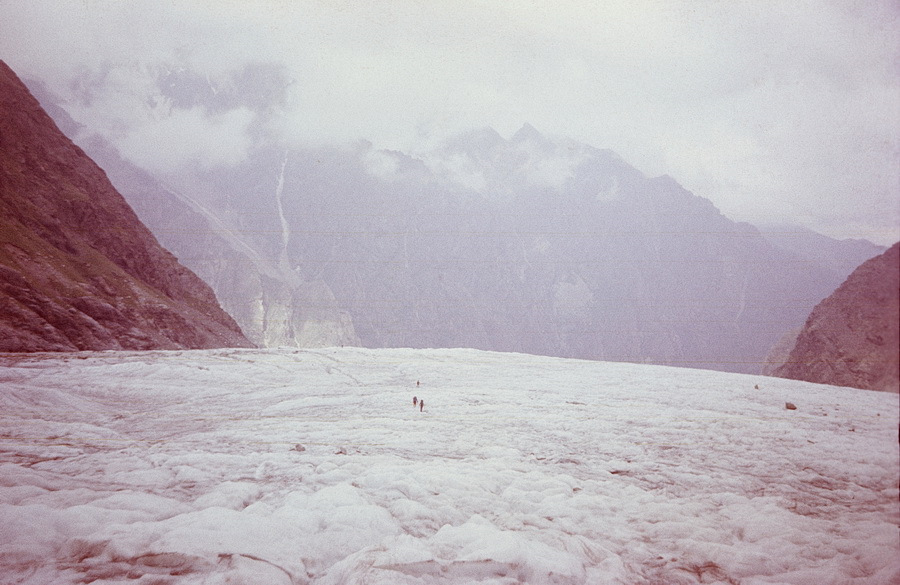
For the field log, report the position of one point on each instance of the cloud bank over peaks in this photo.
(777, 111)
(482, 162)
(167, 116)
(191, 136)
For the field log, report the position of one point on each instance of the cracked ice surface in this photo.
(183, 467)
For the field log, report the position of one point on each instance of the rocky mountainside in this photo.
(840, 257)
(79, 270)
(273, 304)
(852, 338)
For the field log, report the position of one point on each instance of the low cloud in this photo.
(189, 137)
(765, 107)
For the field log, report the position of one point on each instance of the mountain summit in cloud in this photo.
(536, 245)
(533, 244)
(528, 133)
(775, 113)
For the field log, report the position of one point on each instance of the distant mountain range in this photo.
(530, 244)
(840, 256)
(78, 271)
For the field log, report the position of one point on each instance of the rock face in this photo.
(274, 304)
(78, 270)
(852, 338)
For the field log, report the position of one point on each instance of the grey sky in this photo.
(785, 110)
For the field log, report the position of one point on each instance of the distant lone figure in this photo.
(415, 401)
(421, 405)
(417, 383)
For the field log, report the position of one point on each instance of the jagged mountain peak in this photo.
(528, 133)
(478, 143)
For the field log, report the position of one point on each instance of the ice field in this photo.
(313, 467)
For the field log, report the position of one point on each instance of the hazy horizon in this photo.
(776, 112)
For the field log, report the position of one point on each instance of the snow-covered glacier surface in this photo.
(292, 466)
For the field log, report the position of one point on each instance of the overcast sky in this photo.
(786, 110)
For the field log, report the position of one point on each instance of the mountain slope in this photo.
(273, 304)
(532, 244)
(852, 338)
(528, 244)
(79, 269)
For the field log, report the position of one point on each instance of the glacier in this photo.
(291, 466)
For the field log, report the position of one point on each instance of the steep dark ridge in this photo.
(79, 270)
(852, 338)
(273, 306)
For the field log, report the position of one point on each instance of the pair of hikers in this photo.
(420, 403)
